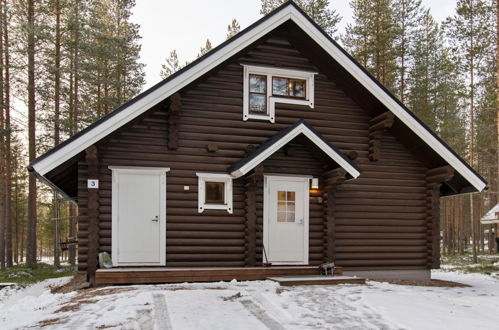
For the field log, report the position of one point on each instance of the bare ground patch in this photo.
(76, 283)
(52, 321)
(85, 297)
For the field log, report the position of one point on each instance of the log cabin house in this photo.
(275, 147)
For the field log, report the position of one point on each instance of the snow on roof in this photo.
(492, 216)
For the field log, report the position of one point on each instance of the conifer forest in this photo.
(66, 63)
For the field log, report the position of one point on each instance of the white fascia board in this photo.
(134, 110)
(300, 129)
(388, 101)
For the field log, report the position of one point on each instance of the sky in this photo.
(185, 25)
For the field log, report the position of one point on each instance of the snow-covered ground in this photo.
(257, 305)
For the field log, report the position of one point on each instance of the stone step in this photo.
(317, 280)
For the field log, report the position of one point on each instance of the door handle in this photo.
(155, 219)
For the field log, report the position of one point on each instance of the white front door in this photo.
(139, 216)
(285, 226)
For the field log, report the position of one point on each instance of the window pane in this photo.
(257, 103)
(280, 86)
(290, 217)
(298, 89)
(214, 192)
(281, 195)
(291, 195)
(281, 207)
(281, 216)
(258, 84)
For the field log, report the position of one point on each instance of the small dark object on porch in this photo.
(266, 264)
(327, 268)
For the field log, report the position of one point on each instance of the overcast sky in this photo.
(184, 25)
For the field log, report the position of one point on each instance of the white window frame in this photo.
(214, 177)
(270, 72)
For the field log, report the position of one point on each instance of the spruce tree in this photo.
(233, 28)
(206, 48)
(171, 66)
(318, 10)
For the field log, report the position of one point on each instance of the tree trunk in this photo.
(57, 76)
(57, 101)
(2, 156)
(497, 107)
(32, 216)
(8, 146)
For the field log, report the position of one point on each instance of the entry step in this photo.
(317, 280)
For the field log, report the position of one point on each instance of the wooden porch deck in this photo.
(143, 275)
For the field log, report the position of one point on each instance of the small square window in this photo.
(214, 192)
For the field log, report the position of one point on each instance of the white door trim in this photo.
(116, 171)
(266, 204)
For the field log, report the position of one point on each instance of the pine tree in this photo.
(318, 10)
(407, 16)
(371, 38)
(233, 28)
(8, 135)
(421, 98)
(470, 32)
(32, 215)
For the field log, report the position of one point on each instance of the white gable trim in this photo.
(69, 150)
(300, 129)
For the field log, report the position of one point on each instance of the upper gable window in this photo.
(266, 86)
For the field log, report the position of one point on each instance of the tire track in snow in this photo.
(161, 317)
(261, 315)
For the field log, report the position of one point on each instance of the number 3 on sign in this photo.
(93, 184)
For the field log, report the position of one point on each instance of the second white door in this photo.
(286, 219)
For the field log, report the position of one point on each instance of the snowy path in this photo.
(257, 305)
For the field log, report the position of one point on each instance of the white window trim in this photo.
(214, 177)
(269, 72)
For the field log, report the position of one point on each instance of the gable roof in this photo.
(289, 11)
(279, 140)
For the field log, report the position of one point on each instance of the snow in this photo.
(257, 305)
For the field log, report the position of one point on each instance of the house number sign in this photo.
(93, 184)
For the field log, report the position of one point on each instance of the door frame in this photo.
(268, 178)
(161, 172)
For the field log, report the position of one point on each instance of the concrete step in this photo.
(317, 280)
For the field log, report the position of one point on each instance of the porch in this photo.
(143, 275)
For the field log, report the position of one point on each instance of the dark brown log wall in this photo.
(379, 219)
